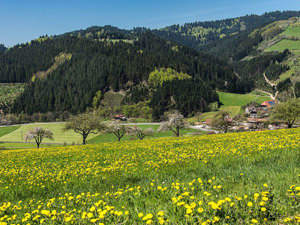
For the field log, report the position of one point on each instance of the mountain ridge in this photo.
(108, 58)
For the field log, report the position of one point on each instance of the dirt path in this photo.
(269, 82)
(272, 85)
(268, 93)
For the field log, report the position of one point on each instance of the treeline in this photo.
(9, 119)
(102, 66)
(2, 48)
(269, 63)
(234, 48)
(18, 64)
(196, 34)
(103, 32)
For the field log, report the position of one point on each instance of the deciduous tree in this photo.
(38, 134)
(85, 124)
(288, 111)
(221, 121)
(117, 129)
(139, 132)
(175, 123)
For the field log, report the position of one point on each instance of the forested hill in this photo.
(197, 34)
(89, 66)
(65, 72)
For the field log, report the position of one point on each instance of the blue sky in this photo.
(24, 20)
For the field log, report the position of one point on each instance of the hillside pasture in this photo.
(232, 99)
(292, 31)
(284, 44)
(231, 103)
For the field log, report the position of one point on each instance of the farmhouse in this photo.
(120, 117)
(268, 104)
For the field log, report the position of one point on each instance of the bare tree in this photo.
(221, 121)
(117, 129)
(38, 134)
(139, 132)
(85, 124)
(175, 123)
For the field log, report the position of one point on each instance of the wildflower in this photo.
(148, 217)
(254, 221)
(200, 210)
(160, 213)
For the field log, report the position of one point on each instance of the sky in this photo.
(24, 20)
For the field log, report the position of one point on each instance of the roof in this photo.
(269, 103)
(256, 120)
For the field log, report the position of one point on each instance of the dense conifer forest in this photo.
(64, 73)
(103, 65)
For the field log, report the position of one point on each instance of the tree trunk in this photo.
(83, 139)
(226, 129)
(290, 125)
(119, 138)
(37, 144)
(177, 132)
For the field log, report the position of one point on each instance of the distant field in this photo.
(292, 31)
(232, 104)
(284, 44)
(232, 99)
(7, 130)
(8, 135)
(57, 128)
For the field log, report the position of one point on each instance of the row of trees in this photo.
(88, 123)
(85, 124)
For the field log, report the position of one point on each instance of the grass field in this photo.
(231, 103)
(7, 130)
(231, 99)
(11, 137)
(211, 179)
(292, 31)
(284, 44)
(60, 136)
(111, 137)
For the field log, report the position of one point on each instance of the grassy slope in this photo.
(7, 130)
(231, 103)
(292, 31)
(284, 44)
(57, 128)
(230, 99)
(238, 164)
(293, 46)
(15, 133)
(112, 138)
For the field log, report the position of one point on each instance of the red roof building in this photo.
(268, 104)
